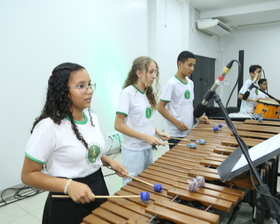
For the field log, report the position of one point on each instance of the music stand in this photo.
(237, 164)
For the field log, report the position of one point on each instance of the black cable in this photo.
(112, 140)
(20, 193)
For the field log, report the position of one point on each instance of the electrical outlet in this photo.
(109, 136)
(113, 134)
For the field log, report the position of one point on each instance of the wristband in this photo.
(67, 186)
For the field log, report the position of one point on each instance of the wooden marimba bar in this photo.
(173, 171)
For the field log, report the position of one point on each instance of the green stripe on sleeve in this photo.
(118, 112)
(33, 159)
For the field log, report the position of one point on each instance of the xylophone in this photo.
(212, 203)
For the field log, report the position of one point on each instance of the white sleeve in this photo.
(167, 92)
(41, 142)
(245, 87)
(124, 101)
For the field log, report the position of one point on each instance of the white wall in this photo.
(261, 46)
(169, 31)
(103, 36)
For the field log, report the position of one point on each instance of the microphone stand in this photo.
(266, 94)
(265, 200)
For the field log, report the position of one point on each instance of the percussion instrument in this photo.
(212, 203)
(267, 108)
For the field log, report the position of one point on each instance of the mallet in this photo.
(200, 141)
(215, 129)
(145, 196)
(219, 125)
(191, 145)
(157, 187)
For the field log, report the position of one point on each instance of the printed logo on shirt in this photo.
(257, 92)
(93, 153)
(187, 94)
(148, 112)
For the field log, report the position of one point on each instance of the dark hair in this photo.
(253, 68)
(184, 56)
(58, 103)
(261, 81)
(142, 63)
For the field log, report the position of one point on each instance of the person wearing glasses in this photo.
(248, 105)
(66, 140)
(135, 116)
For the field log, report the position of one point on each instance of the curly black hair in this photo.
(58, 103)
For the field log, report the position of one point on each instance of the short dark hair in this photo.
(184, 56)
(253, 68)
(261, 81)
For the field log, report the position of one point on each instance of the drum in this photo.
(267, 108)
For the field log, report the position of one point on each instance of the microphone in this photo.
(201, 107)
(247, 93)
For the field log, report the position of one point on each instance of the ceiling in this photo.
(238, 13)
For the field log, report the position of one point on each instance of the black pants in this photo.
(65, 210)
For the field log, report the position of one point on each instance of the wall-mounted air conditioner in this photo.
(213, 27)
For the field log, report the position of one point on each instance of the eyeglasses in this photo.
(83, 88)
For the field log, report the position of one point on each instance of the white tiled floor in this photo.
(29, 210)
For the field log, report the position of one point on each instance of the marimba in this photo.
(174, 170)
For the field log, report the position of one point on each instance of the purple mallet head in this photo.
(145, 196)
(158, 187)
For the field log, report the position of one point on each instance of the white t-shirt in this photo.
(249, 106)
(179, 96)
(135, 105)
(64, 155)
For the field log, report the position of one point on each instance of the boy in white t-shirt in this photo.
(248, 105)
(176, 102)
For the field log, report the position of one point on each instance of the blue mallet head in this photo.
(192, 145)
(201, 141)
(216, 129)
(145, 196)
(158, 187)
(220, 125)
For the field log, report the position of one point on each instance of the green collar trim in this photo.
(138, 89)
(79, 122)
(181, 80)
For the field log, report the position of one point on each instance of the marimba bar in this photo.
(174, 170)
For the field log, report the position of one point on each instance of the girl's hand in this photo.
(164, 136)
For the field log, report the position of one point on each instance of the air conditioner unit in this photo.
(213, 27)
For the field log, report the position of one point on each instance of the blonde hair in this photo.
(142, 63)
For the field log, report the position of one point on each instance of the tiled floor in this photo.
(29, 210)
